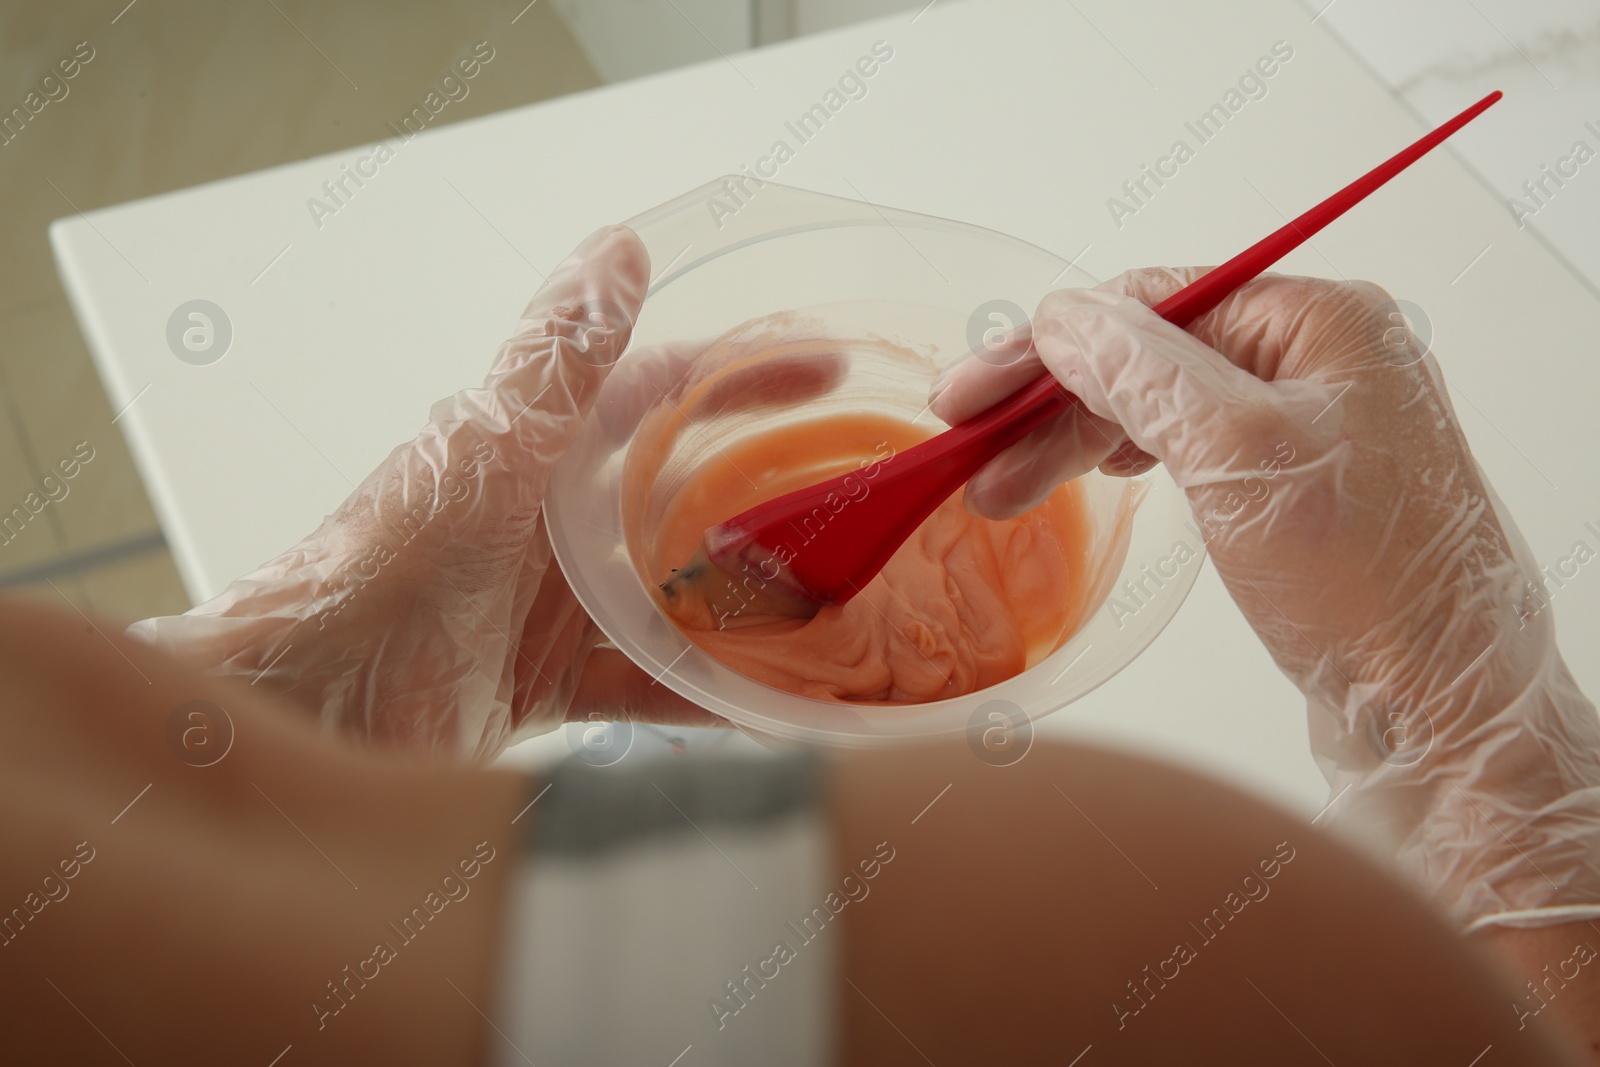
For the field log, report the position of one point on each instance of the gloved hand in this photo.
(427, 611)
(1345, 514)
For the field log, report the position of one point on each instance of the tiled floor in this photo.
(176, 93)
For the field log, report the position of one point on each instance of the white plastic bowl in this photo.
(926, 283)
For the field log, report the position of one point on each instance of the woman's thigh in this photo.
(1088, 903)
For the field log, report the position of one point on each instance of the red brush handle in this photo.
(833, 560)
(989, 433)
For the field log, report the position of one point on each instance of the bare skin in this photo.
(219, 904)
(1022, 904)
(1546, 956)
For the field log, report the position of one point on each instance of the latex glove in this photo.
(1344, 512)
(427, 610)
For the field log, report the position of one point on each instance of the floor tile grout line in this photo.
(72, 564)
(30, 457)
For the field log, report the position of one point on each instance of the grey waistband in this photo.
(590, 810)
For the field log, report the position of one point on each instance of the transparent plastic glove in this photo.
(1344, 512)
(427, 611)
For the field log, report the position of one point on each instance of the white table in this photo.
(1019, 116)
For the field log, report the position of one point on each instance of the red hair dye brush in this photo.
(762, 563)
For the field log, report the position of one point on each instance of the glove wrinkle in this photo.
(1341, 506)
(426, 612)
